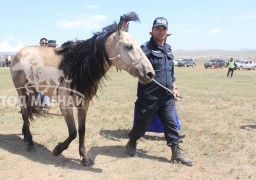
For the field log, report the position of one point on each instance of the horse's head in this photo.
(125, 53)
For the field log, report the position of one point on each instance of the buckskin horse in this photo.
(84, 64)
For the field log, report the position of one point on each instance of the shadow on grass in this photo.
(15, 145)
(123, 134)
(119, 153)
(249, 127)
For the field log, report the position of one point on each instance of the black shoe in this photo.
(182, 136)
(131, 148)
(177, 156)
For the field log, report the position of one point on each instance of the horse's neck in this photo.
(111, 44)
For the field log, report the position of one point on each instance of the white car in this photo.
(246, 64)
(175, 62)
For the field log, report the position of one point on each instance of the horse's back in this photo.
(30, 59)
(37, 54)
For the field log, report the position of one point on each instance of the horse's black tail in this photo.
(34, 109)
(38, 111)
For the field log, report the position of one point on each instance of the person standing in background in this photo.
(44, 99)
(231, 67)
(43, 42)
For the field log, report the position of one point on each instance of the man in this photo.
(155, 100)
(231, 67)
(43, 42)
(41, 97)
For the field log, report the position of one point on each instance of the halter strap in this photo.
(118, 58)
(134, 64)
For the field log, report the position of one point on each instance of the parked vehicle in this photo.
(215, 63)
(175, 62)
(246, 64)
(186, 63)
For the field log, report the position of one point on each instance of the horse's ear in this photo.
(124, 19)
(122, 25)
(125, 26)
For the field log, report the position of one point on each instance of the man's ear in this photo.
(150, 33)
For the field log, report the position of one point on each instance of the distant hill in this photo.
(215, 53)
(7, 53)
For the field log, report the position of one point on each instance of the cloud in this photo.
(93, 6)
(6, 47)
(83, 21)
(214, 31)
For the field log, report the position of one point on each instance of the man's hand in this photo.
(176, 94)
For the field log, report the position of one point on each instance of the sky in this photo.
(194, 24)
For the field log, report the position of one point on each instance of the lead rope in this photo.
(183, 114)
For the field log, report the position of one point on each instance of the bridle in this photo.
(118, 57)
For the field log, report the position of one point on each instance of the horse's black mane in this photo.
(84, 61)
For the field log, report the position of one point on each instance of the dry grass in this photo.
(220, 120)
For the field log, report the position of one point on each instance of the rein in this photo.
(173, 95)
(162, 86)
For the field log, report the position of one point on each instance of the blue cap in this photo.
(160, 21)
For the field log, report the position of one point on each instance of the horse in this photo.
(84, 64)
(37, 74)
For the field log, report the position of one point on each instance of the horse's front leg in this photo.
(69, 118)
(86, 160)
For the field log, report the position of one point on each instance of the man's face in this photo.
(160, 33)
(43, 43)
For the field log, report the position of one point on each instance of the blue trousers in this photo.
(145, 112)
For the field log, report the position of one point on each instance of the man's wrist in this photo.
(175, 87)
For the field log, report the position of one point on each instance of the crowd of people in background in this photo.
(5, 60)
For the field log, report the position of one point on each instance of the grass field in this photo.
(217, 114)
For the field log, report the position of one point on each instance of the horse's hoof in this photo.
(87, 162)
(57, 150)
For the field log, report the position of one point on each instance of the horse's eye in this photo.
(129, 46)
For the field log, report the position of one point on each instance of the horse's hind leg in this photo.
(26, 102)
(86, 161)
(69, 118)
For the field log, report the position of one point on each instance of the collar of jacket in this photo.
(156, 46)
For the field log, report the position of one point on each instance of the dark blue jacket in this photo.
(161, 58)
